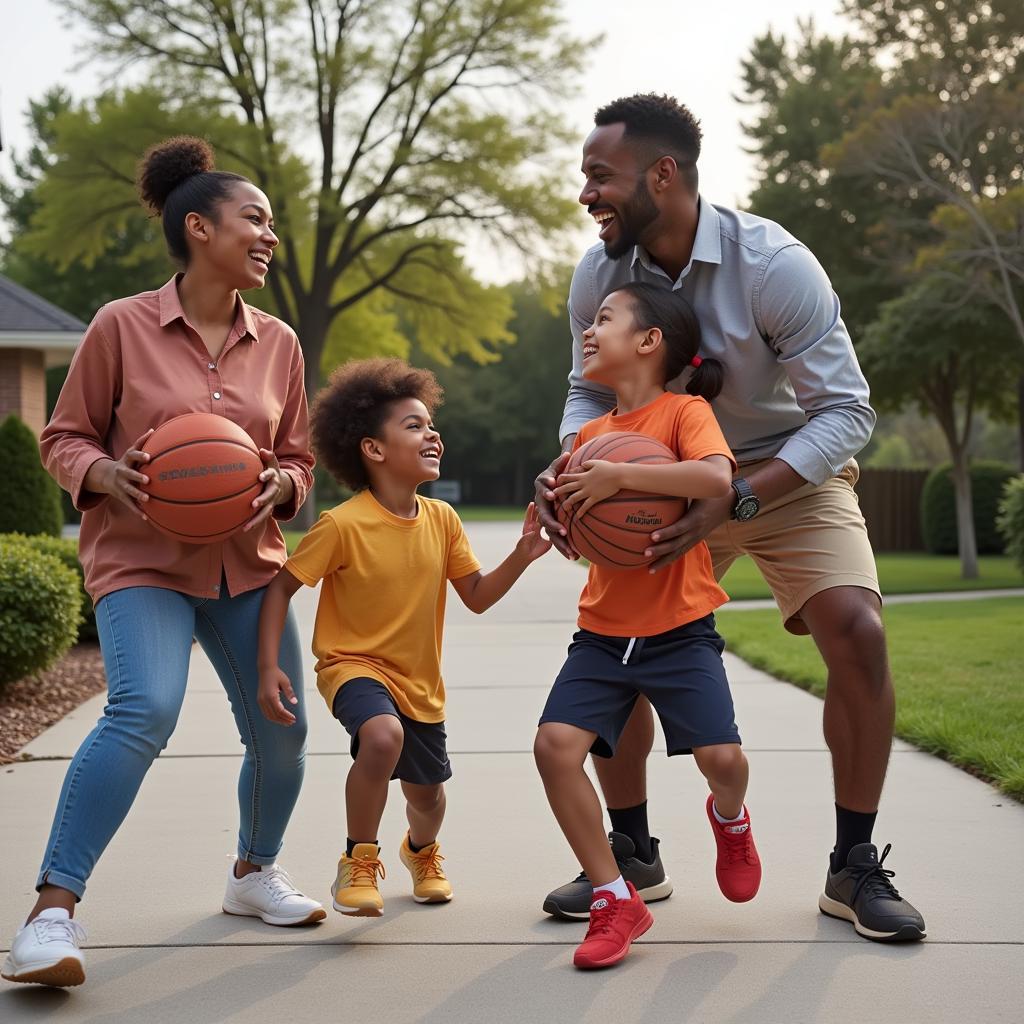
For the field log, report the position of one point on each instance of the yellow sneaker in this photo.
(355, 889)
(429, 884)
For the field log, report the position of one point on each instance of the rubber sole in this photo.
(836, 909)
(280, 922)
(611, 961)
(434, 899)
(358, 911)
(66, 973)
(652, 894)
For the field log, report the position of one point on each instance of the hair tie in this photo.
(696, 361)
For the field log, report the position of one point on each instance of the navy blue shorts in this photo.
(680, 672)
(424, 757)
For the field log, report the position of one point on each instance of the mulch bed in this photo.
(31, 705)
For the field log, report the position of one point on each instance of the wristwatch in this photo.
(747, 504)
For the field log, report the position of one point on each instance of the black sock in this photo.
(351, 844)
(416, 849)
(632, 822)
(852, 828)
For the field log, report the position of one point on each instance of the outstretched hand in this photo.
(533, 543)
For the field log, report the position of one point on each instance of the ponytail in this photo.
(707, 379)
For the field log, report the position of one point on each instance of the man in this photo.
(794, 409)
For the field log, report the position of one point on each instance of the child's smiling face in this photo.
(612, 343)
(409, 445)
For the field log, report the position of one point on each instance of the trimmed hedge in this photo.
(65, 550)
(1011, 519)
(31, 497)
(39, 609)
(938, 507)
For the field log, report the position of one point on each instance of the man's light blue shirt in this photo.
(793, 387)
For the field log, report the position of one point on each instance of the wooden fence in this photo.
(891, 502)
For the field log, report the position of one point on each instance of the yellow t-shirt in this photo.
(381, 609)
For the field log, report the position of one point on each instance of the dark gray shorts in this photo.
(424, 757)
(680, 672)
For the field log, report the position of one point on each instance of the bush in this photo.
(1011, 519)
(938, 507)
(31, 502)
(65, 550)
(39, 603)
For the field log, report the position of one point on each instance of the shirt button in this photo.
(211, 366)
(216, 394)
(216, 588)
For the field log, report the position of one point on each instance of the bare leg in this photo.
(424, 807)
(725, 767)
(51, 896)
(860, 705)
(366, 789)
(561, 751)
(623, 777)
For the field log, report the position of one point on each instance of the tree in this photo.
(409, 118)
(951, 364)
(807, 92)
(133, 257)
(500, 422)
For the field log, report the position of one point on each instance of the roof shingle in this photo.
(22, 310)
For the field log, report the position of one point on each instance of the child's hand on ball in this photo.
(599, 480)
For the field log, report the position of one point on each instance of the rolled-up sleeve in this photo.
(291, 442)
(798, 313)
(76, 435)
(585, 401)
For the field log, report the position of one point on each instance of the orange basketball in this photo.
(203, 475)
(615, 532)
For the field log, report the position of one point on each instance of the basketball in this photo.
(203, 475)
(615, 532)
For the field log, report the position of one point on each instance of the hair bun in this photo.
(167, 164)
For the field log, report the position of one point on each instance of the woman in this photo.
(192, 346)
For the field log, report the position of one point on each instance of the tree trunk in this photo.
(1020, 422)
(312, 335)
(967, 543)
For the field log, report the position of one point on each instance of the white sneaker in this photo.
(271, 895)
(45, 951)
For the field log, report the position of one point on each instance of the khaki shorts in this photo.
(810, 540)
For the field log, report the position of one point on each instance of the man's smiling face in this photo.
(615, 192)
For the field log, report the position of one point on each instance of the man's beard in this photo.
(633, 218)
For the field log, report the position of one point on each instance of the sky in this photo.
(689, 49)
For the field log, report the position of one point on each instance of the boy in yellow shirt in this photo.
(385, 557)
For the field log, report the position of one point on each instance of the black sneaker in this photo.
(573, 899)
(862, 894)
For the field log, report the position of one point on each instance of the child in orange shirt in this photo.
(644, 633)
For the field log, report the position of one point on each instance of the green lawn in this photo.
(958, 668)
(898, 574)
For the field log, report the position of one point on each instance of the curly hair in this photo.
(176, 177)
(354, 405)
(662, 125)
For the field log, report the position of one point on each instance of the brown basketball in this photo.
(615, 532)
(203, 475)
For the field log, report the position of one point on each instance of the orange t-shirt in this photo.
(633, 602)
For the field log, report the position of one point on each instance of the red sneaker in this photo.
(614, 924)
(738, 868)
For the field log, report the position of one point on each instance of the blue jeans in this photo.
(146, 639)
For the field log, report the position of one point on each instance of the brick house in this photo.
(34, 335)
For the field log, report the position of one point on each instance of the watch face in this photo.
(747, 508)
